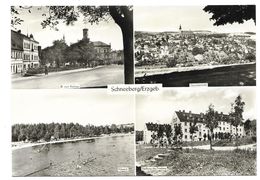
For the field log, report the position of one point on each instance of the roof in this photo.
(189, 117)
(17, 40)
(99, 43)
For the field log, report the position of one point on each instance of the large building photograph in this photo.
(207, 132)
(51, 51)
(186, 45)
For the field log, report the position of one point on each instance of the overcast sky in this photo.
(107, 32)
(169, 18)
(78, 106)
(160, 108)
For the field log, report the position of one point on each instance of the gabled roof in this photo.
(17, 40)
(99, 43)
(189, 117)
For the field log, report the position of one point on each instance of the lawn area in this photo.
(143, 153)
(196, 162)
(233, 142)
(224, 142)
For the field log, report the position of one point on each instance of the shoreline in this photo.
(160, 71)
(27, 145)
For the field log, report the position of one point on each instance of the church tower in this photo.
(85, 35)
(180, 29)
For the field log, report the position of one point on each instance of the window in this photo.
(185, 136)
(185, 130)
(223, 128)
(220, 128)
(185, 123)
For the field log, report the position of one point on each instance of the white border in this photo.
(5, 87)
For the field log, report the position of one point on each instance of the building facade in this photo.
(24, 52)
(186, 120)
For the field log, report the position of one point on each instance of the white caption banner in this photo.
(134, 88)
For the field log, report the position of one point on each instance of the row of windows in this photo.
(16, 55)
(28, 46)
(32, 57)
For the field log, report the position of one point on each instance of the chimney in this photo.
(183, 111)
(85, 33)
(19, 31)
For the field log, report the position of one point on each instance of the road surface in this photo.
(237, 75)
(99, 77)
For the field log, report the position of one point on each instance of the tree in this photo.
(57, 131)
(223, 14)
(122, 16)
(211, 121)
(193, 127)
(178, 132)
(54, 54)
(236, 114)
(81, 52)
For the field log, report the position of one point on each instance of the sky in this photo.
(78, 106)
(160, 108)
(169, 18)
(108, 32)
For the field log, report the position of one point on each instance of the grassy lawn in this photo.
(224, 142)
(203, 162)
(240, 142)
(143, 153)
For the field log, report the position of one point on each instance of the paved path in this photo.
(97, 77)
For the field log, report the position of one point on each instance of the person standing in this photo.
(46, 70)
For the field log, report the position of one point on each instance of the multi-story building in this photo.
(102, 49)
(24, 52)
(186, 120)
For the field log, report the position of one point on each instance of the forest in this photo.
(55, 131)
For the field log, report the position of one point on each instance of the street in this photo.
(99, 77)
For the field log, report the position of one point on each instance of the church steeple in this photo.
(180, 29)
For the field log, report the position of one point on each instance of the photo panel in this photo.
(196, 132)
(72, 133)
(56, 47)
(182, 46)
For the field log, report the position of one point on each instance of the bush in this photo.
(254, 138)
(34, 71)
(171, 62)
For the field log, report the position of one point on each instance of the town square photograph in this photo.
(71, 46)
(179, 46)
(72, 133)
(197, 132)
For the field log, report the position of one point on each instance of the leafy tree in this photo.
(81, 52)
(236, 114)
(178, 132)
(139, 136)
(193, 127)
(57, 131)
(223, 14)
(122, 16)
(211, 121)
(54, 54)
(62, 131)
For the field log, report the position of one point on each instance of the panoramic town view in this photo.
(176, 137)
(64, 46)
(57, 138)
(194, 47)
